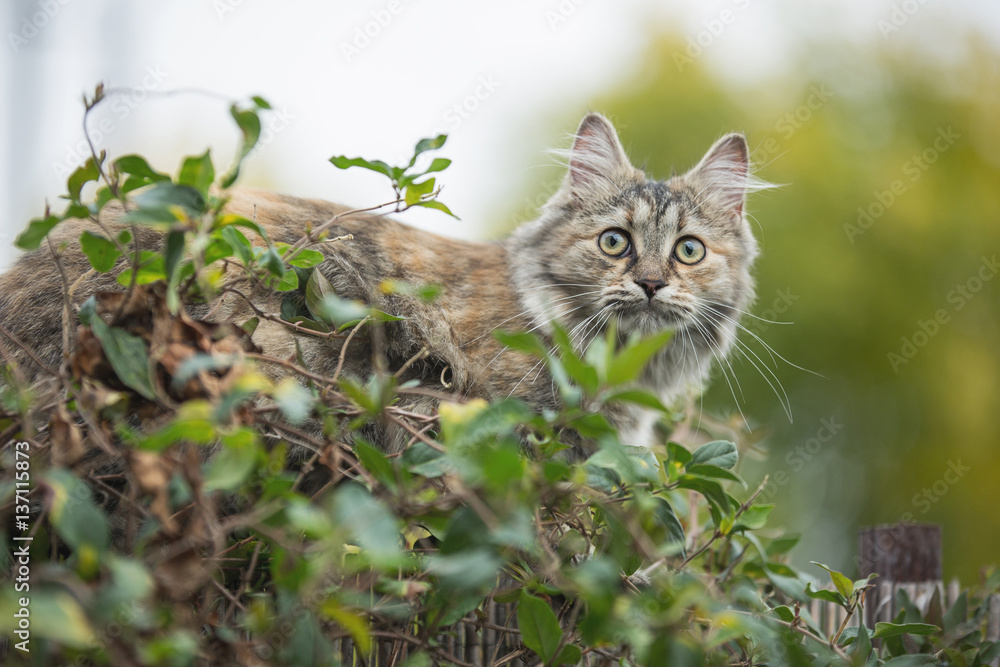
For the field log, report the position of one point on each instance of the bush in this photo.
(168, 530)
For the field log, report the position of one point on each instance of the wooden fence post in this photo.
(906, 556)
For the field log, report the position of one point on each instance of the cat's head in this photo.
(613, 245)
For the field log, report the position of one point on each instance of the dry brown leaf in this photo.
(66, 438)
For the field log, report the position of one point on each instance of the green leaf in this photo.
(162, 197)
(193, 422)
(523, 342)
(539, 626)
(439, 164)
(638, 397)
(250, 325)
(828, 596)
(478, 423)
(426, 292)
(199, 363)
(318, 288)
(782, 545)
(922, 660)
(137, 165)
(173, 253)
(988, 652)
(631, 463)
(36, 232)
(150, 270)
(235, 461)
(720, 453)
(672, 651)
(715, 472)
(678, 454)
(862, 647)
(754, 518)
(55, 615)
(198, 172)
(81, 176)
(307, 258)
(414, 191)
(284, 282)
(370, 523)
(342, 162)
(270, 260)
(249, 123)
(570, 655)
(74, 515)
(665, 516)
(894, 629)
(100, 252)
(261, 102)
(843, 585)
(628, 364)
(217, 249)
(336, 311)
(469, 572)
(710, 489)
(354, 622)
(784, 613)
(435, 204)
(128, 354)
(357, 393)
(374, 462)
(425, 145)
(423, 460)
(240, 244)
(955, 616)
(294, 400)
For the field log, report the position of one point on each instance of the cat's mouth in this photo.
(652, 316)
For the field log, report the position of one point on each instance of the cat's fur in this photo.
(549, 269)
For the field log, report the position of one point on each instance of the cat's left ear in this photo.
(597, 160)
(723, 175)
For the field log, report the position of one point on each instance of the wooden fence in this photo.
(907, 557)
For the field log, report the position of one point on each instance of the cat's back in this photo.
(363, 250)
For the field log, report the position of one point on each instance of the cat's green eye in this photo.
(689, 250)
(613, 242)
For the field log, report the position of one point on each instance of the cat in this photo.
(611, 246)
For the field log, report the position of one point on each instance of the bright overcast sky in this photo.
(515, 67)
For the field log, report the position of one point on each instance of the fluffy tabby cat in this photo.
(610, 246)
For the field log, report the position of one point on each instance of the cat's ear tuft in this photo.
(597, 159)
(723, 175)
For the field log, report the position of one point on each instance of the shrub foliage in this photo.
(172, 523)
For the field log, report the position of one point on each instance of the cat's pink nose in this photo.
(650, 286)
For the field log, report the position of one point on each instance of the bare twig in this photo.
(343, 349)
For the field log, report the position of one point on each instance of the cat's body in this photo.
(610, 245)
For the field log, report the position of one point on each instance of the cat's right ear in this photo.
(597, 160)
